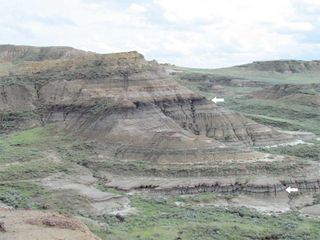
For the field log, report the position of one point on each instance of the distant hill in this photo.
(283, 66)
(30, 53)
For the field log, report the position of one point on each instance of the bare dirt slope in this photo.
(30, 225)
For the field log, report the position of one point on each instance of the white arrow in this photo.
(216, 100)
(290, 189)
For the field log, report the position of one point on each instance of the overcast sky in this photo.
(195, 33)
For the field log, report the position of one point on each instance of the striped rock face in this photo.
(133, 108)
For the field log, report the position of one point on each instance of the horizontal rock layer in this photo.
(303, 186)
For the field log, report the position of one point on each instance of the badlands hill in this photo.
(89, 134)
(128, 104)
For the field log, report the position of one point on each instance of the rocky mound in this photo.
(133, 108)
(30, 225)
(28, 53)
(283, 66)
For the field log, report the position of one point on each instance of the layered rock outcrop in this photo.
(134, 108)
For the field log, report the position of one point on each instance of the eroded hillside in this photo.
(122, 98)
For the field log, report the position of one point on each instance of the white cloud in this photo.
(245, 30)
(200, 33)
(137, 8)
(244, 11)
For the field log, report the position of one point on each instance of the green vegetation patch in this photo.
(23, 146)
(288, 116)
(215, 168)
(9, 121)
(32, 169)
(28, 155)
(29, 195)
(39, 152)
(68, 202)
(20, 194)
(304, 151)
(160, 218)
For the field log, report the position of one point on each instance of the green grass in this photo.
(304, 151)
(24, 145)
(28, 155)
(215, 168)
(277, 113)
(29, 137)
(32, 170)
(274, 121)
(29, 195)
(24, 155)
(160, 219)
(39, 152)
(20, 195)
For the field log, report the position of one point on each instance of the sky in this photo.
(191, 33)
